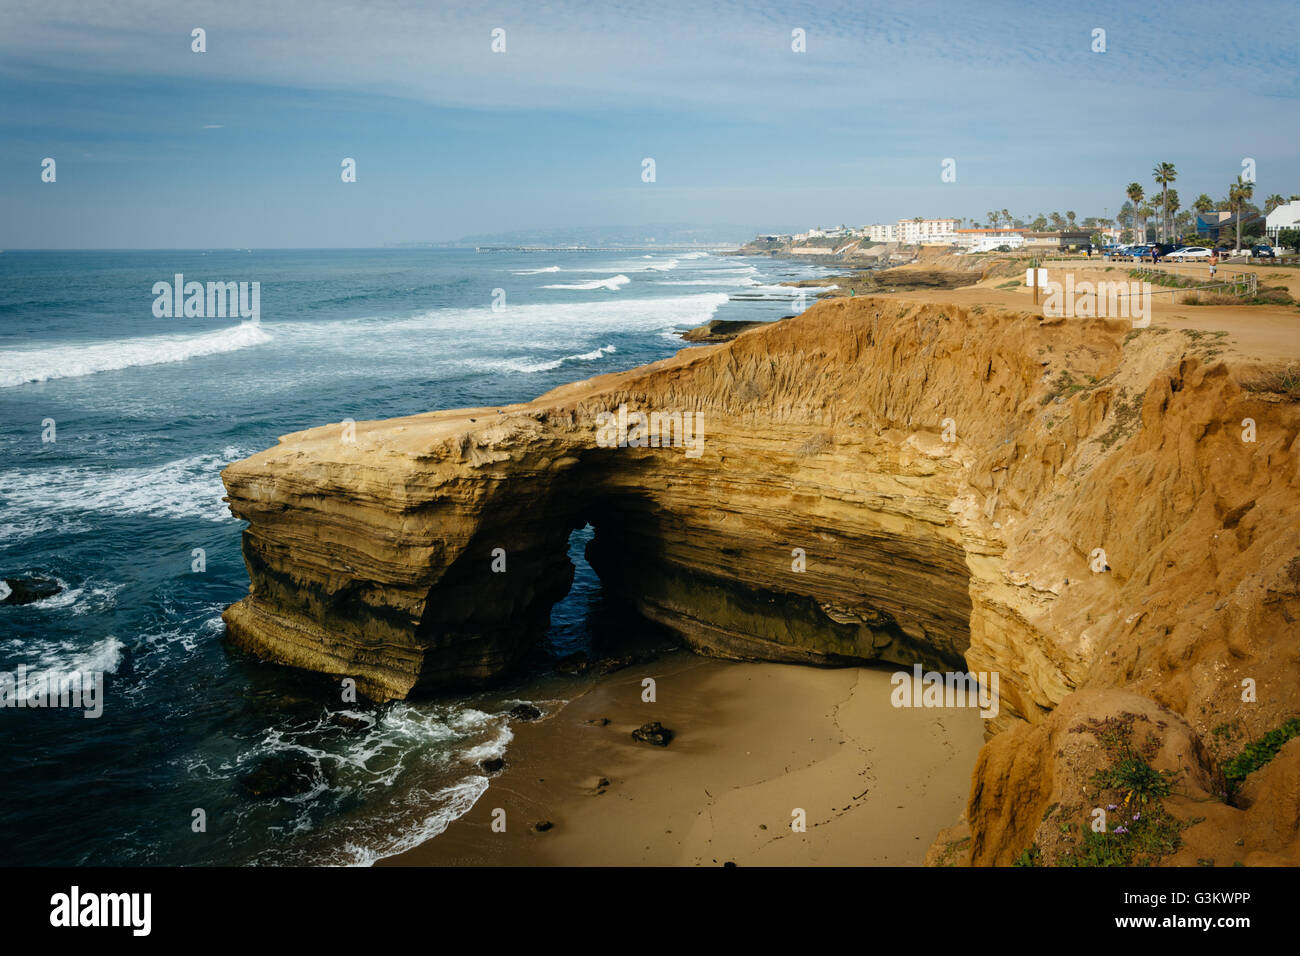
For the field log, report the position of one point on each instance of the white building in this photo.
(914, 231)
(1286, 216)
(988, 240)
(882, 232)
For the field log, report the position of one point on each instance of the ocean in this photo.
(114, 426)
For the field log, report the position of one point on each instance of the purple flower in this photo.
(1112, 806)
(1137, 816)
(1121, 830)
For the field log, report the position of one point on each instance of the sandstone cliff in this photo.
(878, 481)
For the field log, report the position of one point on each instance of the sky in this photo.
(241, 146)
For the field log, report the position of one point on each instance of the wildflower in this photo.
(1121, 829)
(1137, 816)
(1112, 806)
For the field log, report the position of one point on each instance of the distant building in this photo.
(1222, 224)
(988, 240)
(1210, 223)
(1068, 239)
(1286, 216)
(915, 231)
(882, 232)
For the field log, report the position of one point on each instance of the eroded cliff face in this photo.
(877, 481)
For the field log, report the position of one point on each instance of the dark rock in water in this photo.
(543, 826)
(653, 733)
(573, 664)
(492, 765)
(28, 590)
(347, 721)
(524, 712)
(719, 330)
(611, 664)
(280, 776)
(598, 721)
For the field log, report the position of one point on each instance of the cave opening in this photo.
(591, 622)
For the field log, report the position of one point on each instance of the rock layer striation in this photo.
(1067, 503)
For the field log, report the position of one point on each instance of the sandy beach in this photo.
(752, 743)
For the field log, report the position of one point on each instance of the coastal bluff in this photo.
(1071, 504)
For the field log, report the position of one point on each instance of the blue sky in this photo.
(240, 146)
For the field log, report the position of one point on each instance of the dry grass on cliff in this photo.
(1276, 381)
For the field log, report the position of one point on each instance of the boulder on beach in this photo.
(524, 712)
(573, 664)
(653, 733)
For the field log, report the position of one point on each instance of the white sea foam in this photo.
(735, 280)
(612, 284)
(414, 765)
(86, 599)
(102, 657)
(25, 525)
(525, 365)
(20, 366)
(621, 265)
(557, 324)
(185, 488)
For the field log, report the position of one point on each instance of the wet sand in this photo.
(753, 743)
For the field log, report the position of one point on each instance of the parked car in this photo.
(1190, 252)
(1263, 252)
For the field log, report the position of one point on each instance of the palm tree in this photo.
(1057, 221)
(1040, 223)
(1238, 193)
(1272, 202)
(1146, 211)
(1203, 203)
(1164, 174)
(1070, 216)
(993, 218)
(1135, 194)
